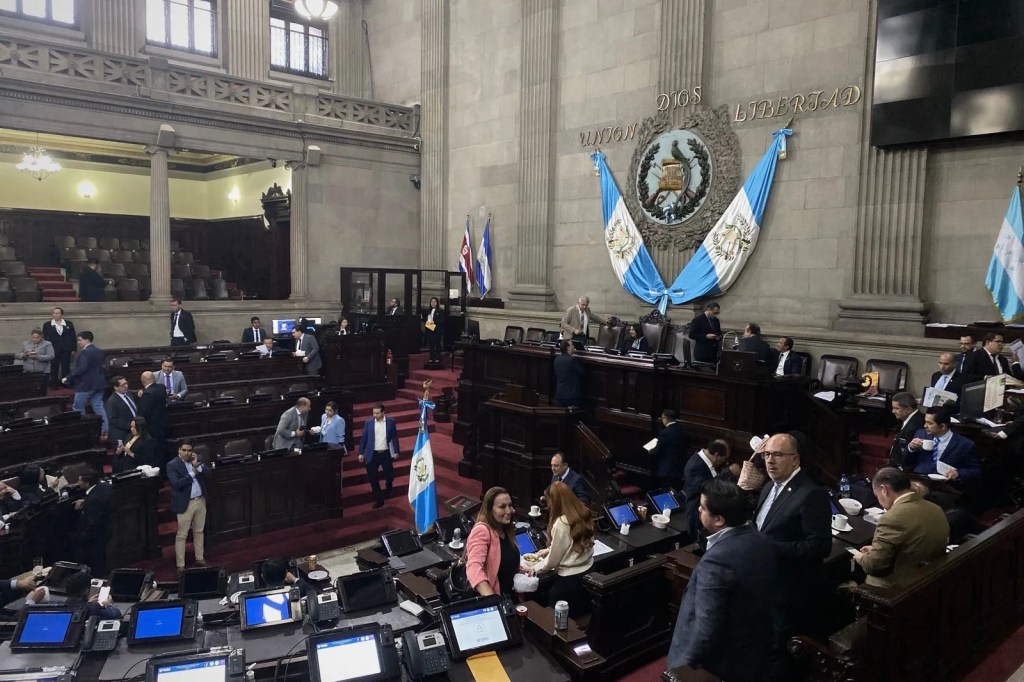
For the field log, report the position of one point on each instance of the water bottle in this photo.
(844, 487)
(562, 615)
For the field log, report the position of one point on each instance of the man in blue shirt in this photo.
(948, 451)
(188, 478)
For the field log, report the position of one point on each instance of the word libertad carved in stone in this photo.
(800, 103)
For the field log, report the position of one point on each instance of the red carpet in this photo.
(1001, 664)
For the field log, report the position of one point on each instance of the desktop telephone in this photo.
(325, 607)
(424, 654)
(101, 635)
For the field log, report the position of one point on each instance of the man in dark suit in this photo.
(121, 410)
(188, 477)
(727, 608)
(911, 420)
(787, 363)
(794, 514)
(988, 361)
(60, 333)
(183, 328)
(94, 524)
(153, 406)
(377, 448)
(291, 427)
(703, 466)
(671, 452)
(306, 348)
(568, 376)
(89, 378)
(254, 333)
(947, 378)
(560, 471)
(936, 444)
(966, 349)
(91, 284)
(706, 332)
(751, 342)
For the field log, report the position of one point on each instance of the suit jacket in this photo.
(186, 324)
(758, 346)
(727, 608)
(178, 384)
(120, 417)
(695, 475)
(41, 361)
(897, 454)
(670, 455)
(153, 406)
(91, 285)
(576, 483)
(308, 344)
(704, 349)
(63, 344)
(89, 373)
(956, 382)
(438, 321)
(794, 365)
(181, 483)
(249, 336)
(568, 380)
(979, 365)
(799, 525)
(914, 531)
(289, 422)
(642, 347)
(959, 453)
(366, 442)
(572, 319)
(94, 526)
(145, 452)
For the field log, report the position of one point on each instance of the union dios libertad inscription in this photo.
(756, 110)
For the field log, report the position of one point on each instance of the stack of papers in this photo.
(827, 396)
(601, 548)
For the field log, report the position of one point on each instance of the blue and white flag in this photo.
(422, 494)
(716, 264)
(630, 260)
(1005, 277)
(483, 261)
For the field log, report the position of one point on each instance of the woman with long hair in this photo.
(433, 328)
(140, 448)
(570, 551)
(332, 428)
(492, 555)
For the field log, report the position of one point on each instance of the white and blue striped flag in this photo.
(422, 493)
(716, 264)
(1005, 277)
(483, 261)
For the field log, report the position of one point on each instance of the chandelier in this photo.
(320, 10)
(37, 163)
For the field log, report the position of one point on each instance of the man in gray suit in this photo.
(172, 380)
(307, 349)
(291, 427)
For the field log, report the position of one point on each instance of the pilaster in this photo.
(348, 69)
(113, 26)
(159, 226)
(299, 236)
(434, 127)
(247, 38)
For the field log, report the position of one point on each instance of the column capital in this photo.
(153, 149)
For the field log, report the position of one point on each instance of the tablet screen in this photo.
(266, 609)
(526, 543)
(45, 628)
(363, 591)
(479, 628)
(665, 501)
(347, 658)
(215, 670)
(621, 514)
(154, 623)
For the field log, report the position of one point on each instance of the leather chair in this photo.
(680, 346)
(63, 242)
(238, 446)
(266, 389)
(26, 290)
(535, 334)
(198, 396)
(88, 243)
(136, 270)
(177, 288)
(101, 255)
(514, 334)
(181, 271)
(892, 375)
(805, 362)
(299, 388)
(144, 244)
(174, 246)
(833, 369)
(8, 253)
(201, 450)
(114, 270)
(41, 411)
(200, 270)
(183, 258)
(239, 394)
(74, 255)
(6, 294)
(130, 244)
(110, 290)
(610, 338)
(141, 256)
(655, 333)
(129, 290)
(109, 243)
(117, 363)
(219, 290)
(268, 442)
(552, 337)
(122, 257)
(197, 290)
(13, 268)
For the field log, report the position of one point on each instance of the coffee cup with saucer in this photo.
(841, 523)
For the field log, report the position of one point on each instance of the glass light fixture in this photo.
(37, 163)
(86, 189)
(234, 195)
(320, 10)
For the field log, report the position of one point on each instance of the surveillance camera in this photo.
(415, 180)
(273, 163)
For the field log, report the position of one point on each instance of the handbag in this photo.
(751, 477)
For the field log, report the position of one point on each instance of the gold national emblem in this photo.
(621, 241)
(732, 238)
(420, 469)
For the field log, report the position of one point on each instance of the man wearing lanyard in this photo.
(188, 478)
(183, 328)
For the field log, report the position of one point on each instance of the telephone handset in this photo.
(424, 654)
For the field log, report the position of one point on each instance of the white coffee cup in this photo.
(624, 529)
(840, 522)
(535, 510)
(851, 506)
(928, 445)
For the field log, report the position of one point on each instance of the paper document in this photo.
(942, 468)
(300, 353)
(601, 548)
(827, 396)
(651, 444)
(933, 397)
(954, 420)
(1017, 347)
(989, 423)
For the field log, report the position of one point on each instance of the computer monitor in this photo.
(209, 667)
(48, 628)
(401, 542)
(127, 584)
(283, 326)
(267, 608)
(366, 590)
(361, 654)
(620, 512)
(160, 622)
(478, 626)
(525, 541)
(59, 574)
(203, 583)
(972, 400)
(663, 499)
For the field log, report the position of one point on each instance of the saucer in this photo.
(937, 477)
(842, 530)
(318, 575)
(532, 515)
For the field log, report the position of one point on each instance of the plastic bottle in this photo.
(844, 487)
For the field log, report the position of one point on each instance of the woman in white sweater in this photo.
(570, 552)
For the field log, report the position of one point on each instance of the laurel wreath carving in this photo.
(713, 126)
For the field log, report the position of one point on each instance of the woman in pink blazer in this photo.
(492, 555)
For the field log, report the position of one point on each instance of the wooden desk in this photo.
(358, 362)
(218, 372)
(32, 443)
(23, 385)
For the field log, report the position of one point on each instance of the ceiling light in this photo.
(37, 163)
(320, 10)
(86, 189)
(234, 195)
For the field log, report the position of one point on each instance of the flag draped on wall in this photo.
(422, 493)
(466, 258)
(1005, 277)
(483, 261)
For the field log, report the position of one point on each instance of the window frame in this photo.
(215, 26)
(288, 15)
(48, 20)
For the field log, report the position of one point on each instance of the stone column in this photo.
(247, 38)
(159, 226)
(537, 115)
(434, 55)
(348, 51)
(113, 26)
(299, 231)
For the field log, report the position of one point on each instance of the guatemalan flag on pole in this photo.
(422, 494)
(483, 261)
(716, 264)
(466, 258)
(1006, 270)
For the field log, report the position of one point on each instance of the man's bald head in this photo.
(781, 457)
(147, 378)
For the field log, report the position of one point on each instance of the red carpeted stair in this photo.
(52, 284)
(361, 521)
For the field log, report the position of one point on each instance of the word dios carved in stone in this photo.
(665, 100)
(817, 100)
(679, 98)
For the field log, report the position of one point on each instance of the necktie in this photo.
(256, 335)
(935, 450)
(131, 405)
(943, 382)
(963, 357)
(781, 369)
(167, 380)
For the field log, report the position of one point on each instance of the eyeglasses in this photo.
(777, 455)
